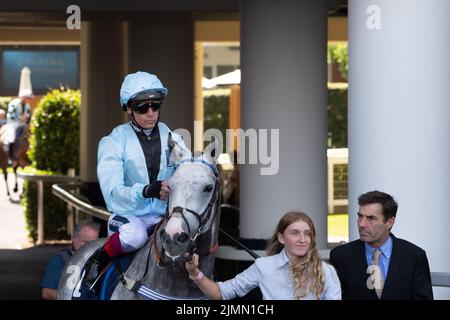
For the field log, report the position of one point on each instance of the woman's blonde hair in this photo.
(308, 272)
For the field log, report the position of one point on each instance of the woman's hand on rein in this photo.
(192, 265)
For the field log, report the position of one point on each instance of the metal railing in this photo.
(440, 279)
(40, 179)
(66, 193)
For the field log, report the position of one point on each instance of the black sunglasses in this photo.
(143, 106)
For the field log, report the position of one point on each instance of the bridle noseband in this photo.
(202, 218)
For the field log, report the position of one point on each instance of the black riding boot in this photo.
(94, 267)
(10, 154)
(7, 150)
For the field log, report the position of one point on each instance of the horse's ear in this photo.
(177, 151)
(212, 150)
(170, 142)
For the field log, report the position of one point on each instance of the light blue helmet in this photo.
(141, 83)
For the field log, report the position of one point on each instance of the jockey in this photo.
(18, 115)
(133, 166)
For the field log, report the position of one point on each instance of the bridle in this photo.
(202, 218)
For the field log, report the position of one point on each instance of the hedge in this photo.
(54, 148)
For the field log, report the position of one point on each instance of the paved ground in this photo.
(13, 233)
(21, 271)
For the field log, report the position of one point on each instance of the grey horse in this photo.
(191, 225)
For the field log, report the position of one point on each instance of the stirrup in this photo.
(97, 278)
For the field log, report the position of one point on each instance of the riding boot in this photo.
(7, 149)
(10, 154)
(94, 268)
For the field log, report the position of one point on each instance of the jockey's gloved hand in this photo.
(152, 190)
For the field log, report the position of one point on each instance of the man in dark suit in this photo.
(379, 265)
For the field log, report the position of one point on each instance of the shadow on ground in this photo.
(21, 271)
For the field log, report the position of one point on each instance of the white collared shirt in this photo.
(273, 277)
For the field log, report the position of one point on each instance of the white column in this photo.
(284, 86)
(399, 116)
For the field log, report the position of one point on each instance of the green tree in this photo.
(216, 113)
(337, 115)
(338, 52)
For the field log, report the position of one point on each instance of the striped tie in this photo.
(377, 273)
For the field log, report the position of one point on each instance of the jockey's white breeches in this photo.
(132, 229)
(10, 133)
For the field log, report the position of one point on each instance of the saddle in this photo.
(113, 274)
(109, 279)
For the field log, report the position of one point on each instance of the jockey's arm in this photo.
(110, 173)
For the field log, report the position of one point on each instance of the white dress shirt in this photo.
(273, 277)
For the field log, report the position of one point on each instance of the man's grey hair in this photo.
(85, 223)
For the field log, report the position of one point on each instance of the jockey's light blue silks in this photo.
(13, 116)
(16, 108)
(122, 171)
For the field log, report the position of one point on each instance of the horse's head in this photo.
(194, 196)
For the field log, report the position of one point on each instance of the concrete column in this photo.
(284, 86)
(103, 64)
(166, 48)
(399, 116)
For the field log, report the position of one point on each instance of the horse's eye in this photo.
(208, 188)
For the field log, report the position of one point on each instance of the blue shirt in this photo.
(385, 258)
(53, 272)
(273, 277)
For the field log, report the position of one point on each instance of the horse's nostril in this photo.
(183, 237)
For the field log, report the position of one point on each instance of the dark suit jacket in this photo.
(408, 272)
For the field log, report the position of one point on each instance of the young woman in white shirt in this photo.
(292, 268)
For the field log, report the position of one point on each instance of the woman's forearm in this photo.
(207, 286)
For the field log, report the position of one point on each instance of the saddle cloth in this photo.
(109, 279)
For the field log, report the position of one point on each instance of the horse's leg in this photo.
(5, 174)
(15, 177)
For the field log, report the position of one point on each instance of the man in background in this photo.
(84, 231)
